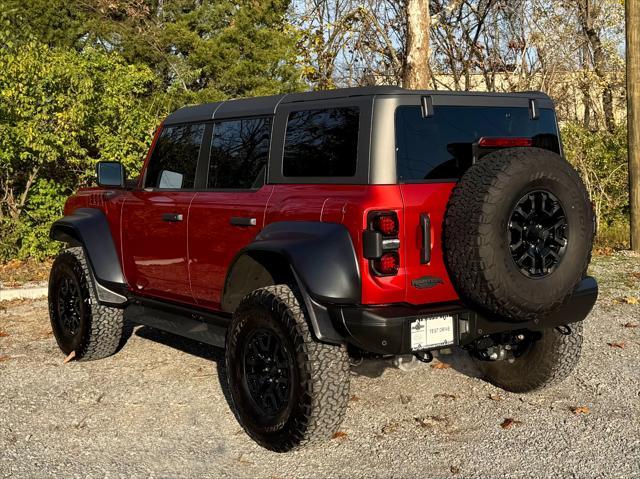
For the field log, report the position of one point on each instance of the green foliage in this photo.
(204, 51)
(601, 159)
(61, 111)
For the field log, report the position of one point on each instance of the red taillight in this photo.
(485, 142)
(387, 225)
(381, 244)
(388, 264)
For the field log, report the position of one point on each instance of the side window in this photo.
(174, 158)
(239, 153)
(321, 143)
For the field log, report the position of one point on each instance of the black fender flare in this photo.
(89, 228)
(319, 256)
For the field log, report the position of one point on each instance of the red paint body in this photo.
(188, 261)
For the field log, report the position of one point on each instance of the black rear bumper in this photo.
(386, 329)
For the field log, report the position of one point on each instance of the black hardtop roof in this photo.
(266, 105)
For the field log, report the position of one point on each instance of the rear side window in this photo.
(321, 143)
(239, 153)
(174, 158)
(441, 146)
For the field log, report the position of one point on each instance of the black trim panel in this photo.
(189, 322)
(89, 228)
(321, 254)
(386, 329)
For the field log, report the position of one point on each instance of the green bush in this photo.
(601, 159)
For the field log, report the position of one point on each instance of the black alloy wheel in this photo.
(69, 304)
(268, 371)
(538, 233)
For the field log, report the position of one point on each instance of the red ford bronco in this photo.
(299, 231)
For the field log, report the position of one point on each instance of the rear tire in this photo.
(287, 389)
(78, 321)
(547, 362)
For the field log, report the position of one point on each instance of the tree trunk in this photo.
(633, 116)
(416, 67)
(599, 63)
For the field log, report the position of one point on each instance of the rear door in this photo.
(433, 150)
(230, 213)
(154, 219)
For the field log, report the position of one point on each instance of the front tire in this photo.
(78, 321)
(287, 389)
(546, 362)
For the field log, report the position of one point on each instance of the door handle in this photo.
(240, 221)
(425, 225)
(172, 217)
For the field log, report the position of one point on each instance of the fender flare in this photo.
(319, 256)
(89, 228)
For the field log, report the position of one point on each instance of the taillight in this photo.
(381, 243)
(387, 224)
(504, 142)
(387, 265)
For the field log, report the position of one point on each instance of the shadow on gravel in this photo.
(456, 358)
(195, 348)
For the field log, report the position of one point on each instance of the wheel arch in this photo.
(89, 228)
(318, 258)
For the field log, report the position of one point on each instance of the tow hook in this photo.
(565, 330)
(424, 356)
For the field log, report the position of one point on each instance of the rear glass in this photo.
(239, 153)
(321, 143)
(441, 146)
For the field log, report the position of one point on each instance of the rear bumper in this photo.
(386, 329)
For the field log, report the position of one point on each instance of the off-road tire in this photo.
(476, 243)
(102, 330)
(320, 391)
(548, 361)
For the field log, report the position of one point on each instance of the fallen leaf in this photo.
(630, 300)
(630, 325)
(616, 345)
(354, 398)
(389, 428)
(70, 356)
(339, 435)
(430, 421)
(4, 357)
(508, 422)
(636, 275)
(3, 334)
(445, 395)
(242, 460)
(440, 366)
(405, 399)
(580, 410)
(454, 470)
(495, 397)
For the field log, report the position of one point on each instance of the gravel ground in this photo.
(157, 409)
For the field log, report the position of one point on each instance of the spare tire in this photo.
(518, 233)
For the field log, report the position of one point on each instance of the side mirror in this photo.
(110, 174)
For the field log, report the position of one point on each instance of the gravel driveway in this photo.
(158, 409)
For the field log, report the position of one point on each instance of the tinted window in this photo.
(321, 143)
(441, 146)
(239, 153)
(174, 158)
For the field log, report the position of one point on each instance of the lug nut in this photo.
(520, 337)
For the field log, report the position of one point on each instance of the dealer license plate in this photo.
(431, 332)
